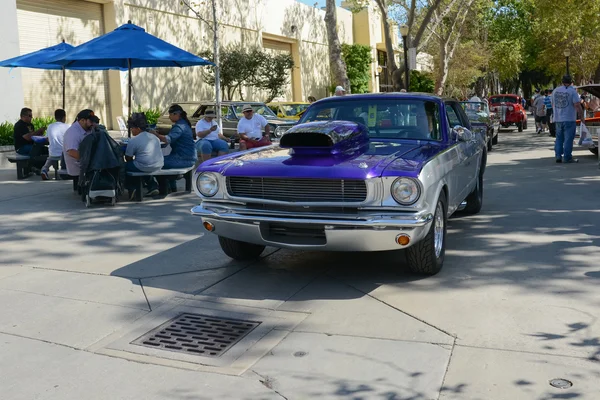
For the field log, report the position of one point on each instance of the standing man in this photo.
(23, 133)
(340, 91)
(539, 106)
(250, 129)
(73, 138)
(56, 134)
(566, 107)
(549, 117)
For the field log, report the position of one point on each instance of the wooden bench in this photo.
(162, 176)
(23, 168)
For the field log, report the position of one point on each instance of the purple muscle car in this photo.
(358, 173)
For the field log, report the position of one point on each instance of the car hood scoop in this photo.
(325, 138)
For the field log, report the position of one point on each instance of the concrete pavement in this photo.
(514, 307)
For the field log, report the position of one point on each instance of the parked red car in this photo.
(510, 110)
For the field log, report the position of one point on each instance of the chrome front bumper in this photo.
(333, 232)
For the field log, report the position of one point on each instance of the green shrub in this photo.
(6, 134)
(152, 114)
(421, 82)
(42, 121)
(358, 66)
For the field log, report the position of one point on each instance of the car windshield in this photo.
(503, 99)
(389, 118)
(258, 109)
(475, 110)
(291, 110)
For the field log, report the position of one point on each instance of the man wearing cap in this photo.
(566, 108)
(340, 91)
(73, 137)
(209, 137)
(250, 129)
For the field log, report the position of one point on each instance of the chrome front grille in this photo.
(297, 190)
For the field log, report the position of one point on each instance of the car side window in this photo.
(462, 115)
(453, 117)
(227, 112)
(199, 111)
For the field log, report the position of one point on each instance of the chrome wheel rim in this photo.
(438, 230)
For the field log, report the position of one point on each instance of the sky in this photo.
(321, 2)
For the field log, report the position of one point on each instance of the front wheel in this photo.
(427, 256)
(240, 250)
(594, 150)
(520, 126)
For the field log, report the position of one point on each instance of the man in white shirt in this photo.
(73, 138)
(209, 137)
(250, 129)
(55, 133)
(475, 99)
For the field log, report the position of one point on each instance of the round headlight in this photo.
(406, 191)
(207, 184)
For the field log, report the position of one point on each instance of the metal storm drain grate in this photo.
(197, 334)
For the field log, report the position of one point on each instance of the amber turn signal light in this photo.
(208, 226)
(403, 239)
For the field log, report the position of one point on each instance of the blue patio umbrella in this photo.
(125, 48)
(38, 59)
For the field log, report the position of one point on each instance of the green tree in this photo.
(421, 82)
(358, 65)
(273, 74)
(250, 67)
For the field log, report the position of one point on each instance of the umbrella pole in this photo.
(129, 90)
(63, 87)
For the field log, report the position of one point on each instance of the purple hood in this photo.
(332, 149)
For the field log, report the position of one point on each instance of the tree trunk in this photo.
(389, 47)
(597, 74)
(440, 82)
(336, 63)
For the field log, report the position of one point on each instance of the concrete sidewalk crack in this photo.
(72, 299)
(145, 295)
(394, 307)
(447, 368)
(268, 382)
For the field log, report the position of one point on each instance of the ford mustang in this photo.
(367, 172)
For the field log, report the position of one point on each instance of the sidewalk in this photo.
(514, 307)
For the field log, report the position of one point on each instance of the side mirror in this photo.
(462, 134)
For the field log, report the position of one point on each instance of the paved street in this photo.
(515, 306)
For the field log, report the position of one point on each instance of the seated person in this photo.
(143, 154)
(23, 132)
(210, 137)
(250, 129)
(74, 136)
(181, 138)
(56, 133)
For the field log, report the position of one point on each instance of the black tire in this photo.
(520, 126)
(525, 124)
(495, 139)
(422, 257)
(594, 150)
(240, 250)
(475, 198)
(489, 142)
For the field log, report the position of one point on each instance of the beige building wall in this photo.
(246, 23)
(242, 23)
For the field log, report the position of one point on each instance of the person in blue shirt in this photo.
(181, 138)
(566, 107)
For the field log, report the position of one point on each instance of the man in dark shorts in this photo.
(539, 109)
(24, 131)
